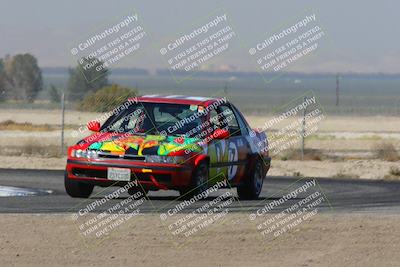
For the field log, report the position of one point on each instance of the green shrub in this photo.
(295, 154)
(386, 151)
(395, 171)
(54, 94)
(107, 98)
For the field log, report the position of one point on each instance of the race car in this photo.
(170, 143)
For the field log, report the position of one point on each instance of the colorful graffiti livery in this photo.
(196, 150)
(147, 145)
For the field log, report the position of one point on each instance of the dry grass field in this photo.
(356, 147)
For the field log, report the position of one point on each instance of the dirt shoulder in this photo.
(357, 169)
(323, 240)
(329, 124)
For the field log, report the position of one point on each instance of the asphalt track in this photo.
(340, 196)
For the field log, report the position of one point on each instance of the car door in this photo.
(217, 151)
(238, 147)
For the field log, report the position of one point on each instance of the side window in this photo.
(229, 120)
(244, 127)
(215, 120)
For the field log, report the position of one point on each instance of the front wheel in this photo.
(77, 189)
(199, 182)
(251, 188)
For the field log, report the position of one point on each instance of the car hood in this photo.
(140, 144)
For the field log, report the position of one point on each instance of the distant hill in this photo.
(228, 74)
(115, 71)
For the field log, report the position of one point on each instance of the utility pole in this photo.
(337, 89)
(398, 107)
(62, 122)
(226, 89)
(303, 129)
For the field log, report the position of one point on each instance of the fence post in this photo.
(303, 129)
(62, 122)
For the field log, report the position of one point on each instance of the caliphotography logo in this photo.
(195, 48)
(279, 51)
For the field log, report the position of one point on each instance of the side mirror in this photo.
(94, 126)
(220, 134)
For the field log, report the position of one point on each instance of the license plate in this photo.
(119, 174)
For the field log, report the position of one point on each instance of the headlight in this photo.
(79, 153)
(92, 154)
(165, 159)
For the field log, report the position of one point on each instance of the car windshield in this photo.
(155, 118)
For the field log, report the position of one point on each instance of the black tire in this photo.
(77, 189)
(252, 186)
(199, 182)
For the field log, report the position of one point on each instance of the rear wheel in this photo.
(76, 188)
(252, 186)
(199, 182)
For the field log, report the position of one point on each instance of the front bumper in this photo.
(149, 175)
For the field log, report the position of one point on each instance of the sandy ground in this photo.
(323, 240)
(44, 116)
(329, 124)
(364, 169)
(29, 162)
(352, 138)
(335, 141)
(334, 133)
(346, 124)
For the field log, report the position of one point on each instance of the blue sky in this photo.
(363, 35)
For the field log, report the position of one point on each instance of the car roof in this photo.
(179, 99)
